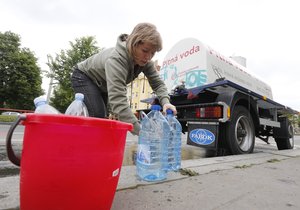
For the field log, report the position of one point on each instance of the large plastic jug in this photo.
(152, 146)
(174, 144)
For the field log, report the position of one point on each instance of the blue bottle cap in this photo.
(79, 96)
(39, 100)
(156, 107)
(169, 111)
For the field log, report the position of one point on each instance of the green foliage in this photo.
(21, 79)
(61, 69)
(294, 119)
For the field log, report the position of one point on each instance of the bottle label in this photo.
(143, 154)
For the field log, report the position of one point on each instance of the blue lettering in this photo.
(195, 78)
(202, 136)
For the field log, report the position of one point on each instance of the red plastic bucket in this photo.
(69, 162)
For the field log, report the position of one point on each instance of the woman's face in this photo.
(144, 52)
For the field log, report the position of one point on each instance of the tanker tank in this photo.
(197, 64)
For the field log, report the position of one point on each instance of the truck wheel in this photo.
(240, 134)
(288, 142)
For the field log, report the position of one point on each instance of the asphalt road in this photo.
(188, 152)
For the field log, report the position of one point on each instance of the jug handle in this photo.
(10, 152)
(142, 115)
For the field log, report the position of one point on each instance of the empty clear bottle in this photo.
(77, 107)
(43, 107)
(174, 143)
(152, 146)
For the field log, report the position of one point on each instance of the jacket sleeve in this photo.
(157, 84)
(116, 75)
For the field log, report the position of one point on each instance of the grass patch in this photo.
(244, 166)
(189, 172)
(273, 160)
(8, 118)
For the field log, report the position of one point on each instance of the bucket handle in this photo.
(10, 152)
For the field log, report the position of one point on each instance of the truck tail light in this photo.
(209, 112)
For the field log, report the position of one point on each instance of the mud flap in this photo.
(203, 134)
(283, 130)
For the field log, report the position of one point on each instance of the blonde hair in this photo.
(144, 32)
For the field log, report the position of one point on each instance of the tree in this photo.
(61, 69)
(21, 79)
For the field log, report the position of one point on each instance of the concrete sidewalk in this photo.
(264, 180)
(255, 181)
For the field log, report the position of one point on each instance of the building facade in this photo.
(138, 90)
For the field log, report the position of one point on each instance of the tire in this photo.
(288, 142)
(240, 133)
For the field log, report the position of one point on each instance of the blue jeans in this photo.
(94, 99)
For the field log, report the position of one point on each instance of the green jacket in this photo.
(112, 69)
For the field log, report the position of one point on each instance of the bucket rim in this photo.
(32, 118)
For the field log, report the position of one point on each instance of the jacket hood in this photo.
(121, 48)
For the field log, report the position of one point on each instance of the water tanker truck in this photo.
(220, 105)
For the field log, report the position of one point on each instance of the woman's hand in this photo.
(136, 128)
(169, 106)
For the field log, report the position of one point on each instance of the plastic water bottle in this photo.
(77, 107)
(152, 146)
(43, 107)
(174, 144)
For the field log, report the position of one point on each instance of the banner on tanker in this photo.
(196, 64)
(185, 63)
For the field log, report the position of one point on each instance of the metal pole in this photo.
(50, 83)
(49, 90)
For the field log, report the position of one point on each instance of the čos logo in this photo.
(202, 136)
